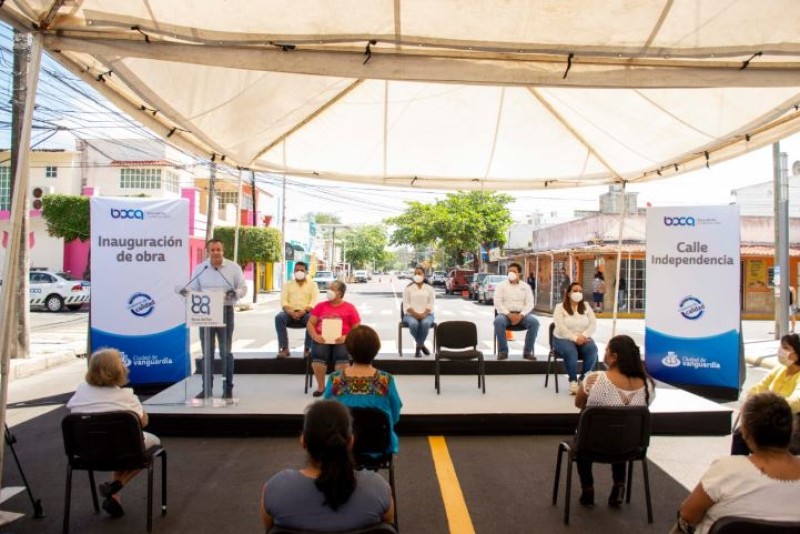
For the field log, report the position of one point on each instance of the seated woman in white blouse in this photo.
(418, 299)
(572, 337)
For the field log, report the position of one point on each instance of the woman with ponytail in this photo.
(760, 486)
(625, 383)
(328, 494)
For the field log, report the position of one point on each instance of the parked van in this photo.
(457, 280)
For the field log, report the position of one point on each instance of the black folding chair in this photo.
(744, 525)
(607, 435)
(380, 528)
(513, 327)
(552, 358)
(110, 441)
(402, 324)
(458, 340)
(373, 442)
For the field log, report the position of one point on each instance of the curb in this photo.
(25, 367)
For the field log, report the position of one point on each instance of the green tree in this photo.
(262, 245)
(323, 218)
(66, 216)
(365, 245)
(459, 223)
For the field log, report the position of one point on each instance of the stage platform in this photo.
(269, 400)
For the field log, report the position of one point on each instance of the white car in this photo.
(56, 291)
(323, 278)
(361, 276)
(438, 278)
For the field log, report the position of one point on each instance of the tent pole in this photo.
(238, 224)
(8, 302)
(619, 261)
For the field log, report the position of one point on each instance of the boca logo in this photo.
(679, 221)
(127, 214)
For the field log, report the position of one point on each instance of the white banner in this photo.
(693, 305)
(139, 254)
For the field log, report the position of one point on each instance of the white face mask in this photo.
(783, 356)
(512, 276)
(299, 275)
(418, 278)
(576, 297)
(331, 294)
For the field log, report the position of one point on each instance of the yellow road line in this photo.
(454, 505)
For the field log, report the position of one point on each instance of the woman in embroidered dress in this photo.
(363, 386)
(625, 383)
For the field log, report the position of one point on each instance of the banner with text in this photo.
(693, 305)
(140, 252)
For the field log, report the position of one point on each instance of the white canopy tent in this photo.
(449, 94)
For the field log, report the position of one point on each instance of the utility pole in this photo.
(212, 202)
(783, 280)
(22, 58)
(255, 223)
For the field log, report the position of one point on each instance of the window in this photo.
(5, 188)
(229, 197)
(171, 182)
(634, 273)
(51, 172)
(140, 178)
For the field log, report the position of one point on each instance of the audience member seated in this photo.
(513, 300)
(783, 380)
(324, 350)
(298, 298)
(625, 383)
(764, 485)
(418, 299)
(363, 386)
(328, 494)
(103, 392)
(572, 336)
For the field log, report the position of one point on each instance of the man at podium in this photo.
(219, 274)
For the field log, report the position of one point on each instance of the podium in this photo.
(205, 310)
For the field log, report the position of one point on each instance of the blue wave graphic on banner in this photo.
(705, 361)
(153, 358)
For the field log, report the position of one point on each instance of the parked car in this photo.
(323, 278)
(54, 291)
(360, 277)
(487, 288)
(457, 280)
(438, 278)
(474, 283)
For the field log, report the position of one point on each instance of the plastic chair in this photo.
(608, 435)
(458, 340)
(110, 441)
(516, 328)
(380, 528)
(373, 442)
(744, 525)
(402, 324)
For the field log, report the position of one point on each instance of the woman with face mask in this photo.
(324, 350)
(572, 337)
(418, 298)
(783, 380)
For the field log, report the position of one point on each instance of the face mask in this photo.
(783, 356)
(418, 278)
(299, 276)
(576, 297)
(512, 276)
(331, 294)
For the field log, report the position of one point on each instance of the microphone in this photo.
(195, 277)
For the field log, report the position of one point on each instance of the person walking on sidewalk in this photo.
(219, 274)
(513, 301)
(298, 297)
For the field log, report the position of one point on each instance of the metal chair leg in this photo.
(568, 494)
(93, 486)
(67, 500)
(164, 483)
(647, 490)
(558, 473)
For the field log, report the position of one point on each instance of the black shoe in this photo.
(318, 393)
(228, 394)
(529, 356)
(417, 353)
(201, 395)
(587, 496)
(617, 492)
(107, 489)
(425, 350)
(502, 356)
(113, 507)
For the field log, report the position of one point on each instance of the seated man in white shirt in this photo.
(513, 301)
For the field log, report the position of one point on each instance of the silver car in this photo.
(323, 278)
(488, 286)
